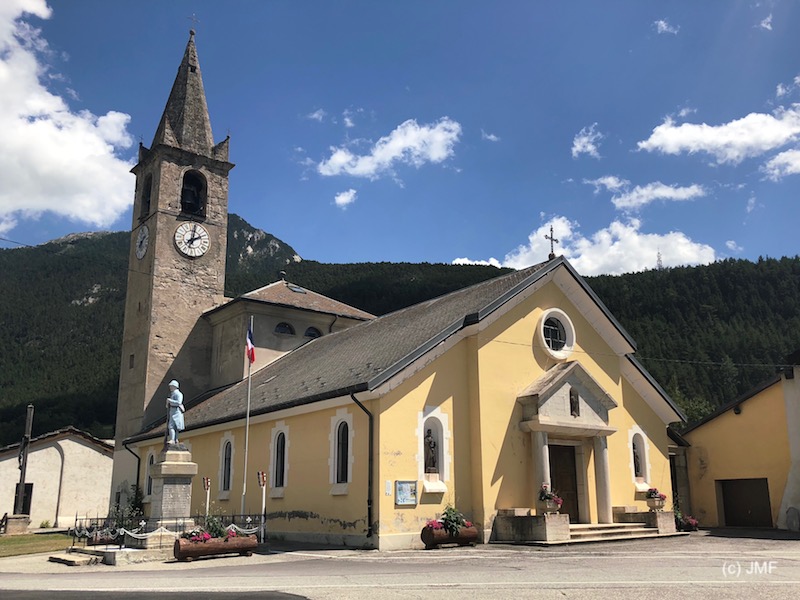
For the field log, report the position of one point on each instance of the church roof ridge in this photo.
(185, 123)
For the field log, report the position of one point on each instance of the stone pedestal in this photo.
(511, 526)
(17, 524)
(171, 499)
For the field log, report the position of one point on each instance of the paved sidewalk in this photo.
(726, 564)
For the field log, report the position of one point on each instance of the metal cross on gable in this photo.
(552, 241)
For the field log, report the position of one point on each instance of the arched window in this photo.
(279, 464)
(150, 462)
(342, 452)
(312, 332)
(226, 466)
(147, 191)
(284, 328)
(193, 194)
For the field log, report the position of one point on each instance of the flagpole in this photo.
(247, 424)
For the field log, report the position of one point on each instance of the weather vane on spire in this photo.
(552, 241)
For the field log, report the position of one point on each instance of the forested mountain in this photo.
(62, 312)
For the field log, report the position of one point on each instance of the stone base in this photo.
(663, 520)
(159, 540)
(17, 524)
(172, 485)
(539, 528)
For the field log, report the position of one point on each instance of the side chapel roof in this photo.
(284, 293)
(363, 357)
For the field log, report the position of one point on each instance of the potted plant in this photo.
(551, 500)
(655, 499)
(689, 523)
(451, 528)
(211, 540)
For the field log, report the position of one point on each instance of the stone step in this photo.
(74, 559)
(610, 526)
(613, 533)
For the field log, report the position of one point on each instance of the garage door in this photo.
(746, 502)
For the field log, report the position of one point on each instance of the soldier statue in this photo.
(175, 412)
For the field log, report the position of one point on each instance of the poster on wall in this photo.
(405, 493)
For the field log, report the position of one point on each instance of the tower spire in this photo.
(185, 123)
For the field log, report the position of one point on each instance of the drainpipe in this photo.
(330, 327)
(371, 462)
(60, 482)
(138, 463)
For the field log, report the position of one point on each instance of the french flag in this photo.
(251, 348)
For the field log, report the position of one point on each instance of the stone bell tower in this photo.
(176, 263)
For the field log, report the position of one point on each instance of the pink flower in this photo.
(435, 524)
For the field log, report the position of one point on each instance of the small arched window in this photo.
(312, 332)
(150, 462)
(226, 467)
(193, 194)
(147, 191)
(279, 464)
(284, 328)
(342, 452)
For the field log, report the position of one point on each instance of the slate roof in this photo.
(363, 357)
(284, 293)
(104, 446)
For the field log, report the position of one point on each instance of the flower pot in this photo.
(433, 538)
(656, 504)
(186, 550)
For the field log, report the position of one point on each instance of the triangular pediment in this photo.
(567, 400)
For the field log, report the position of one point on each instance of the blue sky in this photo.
(425, 131)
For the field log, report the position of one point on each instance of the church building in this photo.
(366, 427)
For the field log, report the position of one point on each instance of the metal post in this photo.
(23, 460)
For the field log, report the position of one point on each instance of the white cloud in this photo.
(766, 23)
(783, 164)
(733, 246)
(345, 199)
(409, 143)
(784, 89)
(663, 26)
(686, 111)
(751, 204)
(731, 142)
(619, 248)
(318, 115)
(610, 182)
(489, 136)
(52, 158)
(586, 142)
(347, 116)
(631, 199)
(642, 195)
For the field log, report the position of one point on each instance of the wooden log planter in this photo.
(187, 550)
(433, 538)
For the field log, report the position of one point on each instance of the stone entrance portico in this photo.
(567, 406)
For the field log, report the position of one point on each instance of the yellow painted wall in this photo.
(753, 444)
(511, 359)
(307, 505)
(441, 384)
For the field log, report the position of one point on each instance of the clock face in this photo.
(142, 240)
(192, 239)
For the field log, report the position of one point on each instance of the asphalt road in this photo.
(698, 566)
